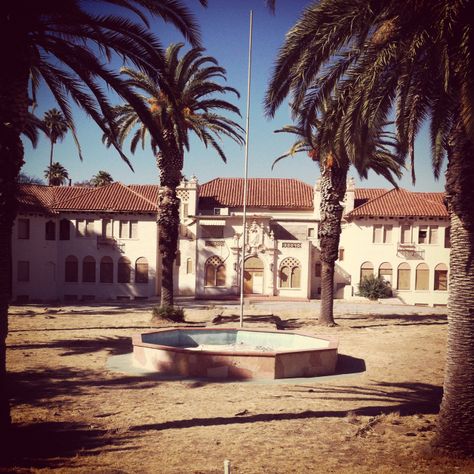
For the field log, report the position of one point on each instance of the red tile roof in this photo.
(114, 197)
(262, 192)
(400, 202)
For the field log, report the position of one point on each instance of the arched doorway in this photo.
(253, 276)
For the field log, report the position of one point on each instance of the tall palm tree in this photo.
(418, 57)
(183, 101)
(56, 174)
(56, 128)
(102, 178)
(66, 45)
(383, 159)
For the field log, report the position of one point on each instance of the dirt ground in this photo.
(73, 414)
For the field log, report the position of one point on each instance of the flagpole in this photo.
(246, 171)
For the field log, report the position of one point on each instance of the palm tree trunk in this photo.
(333, 189)
(455, 431)
(13, 110)
(50, 162)
(168, 220)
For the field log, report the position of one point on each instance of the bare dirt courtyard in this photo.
(73, 413)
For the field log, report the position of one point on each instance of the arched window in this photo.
(124, 270)
(366, 269)
(71, 269)
(385, 272)
(141, 270)
(441, 277)
(422, 277)
(403, 276)
(50, 230)
(290, 273)
(215, 272)
(106, 270)
(64, 229)
(88, 270)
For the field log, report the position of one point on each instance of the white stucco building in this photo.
(91, 244)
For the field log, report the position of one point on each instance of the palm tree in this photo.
(182, 100)
(383, 159)
(56, 174)
(102, 178)
(56, 128)
(371, 56)
(66, 46)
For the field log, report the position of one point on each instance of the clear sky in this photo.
(225, 31)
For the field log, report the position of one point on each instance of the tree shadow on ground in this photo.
(407, 399)
(374, 321)
(42, 385)
(273, 320)
(50, 444)
(116, 345)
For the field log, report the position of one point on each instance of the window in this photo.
(107, 228)
(23, 271)
(290, 273)
(447, 238)
(215, 272)
(84, 227)
(23, 228)
(141, 270)
(124, 270)
(403, 276)
(422, 277)
(189, 266)
(71, 269)
(123, 229)
(184, 210)
(64, 229)
(366, 269)
(382, 234)
(341, 255)
(106, 270)
(133, 230)
(311, 232)
(177, 259)
(212, 231)
(50, 230)
(406, 234)
(128, 229)
(88, 270)
(441, 277)
(317, 270)
(428, 234)
(385, 272)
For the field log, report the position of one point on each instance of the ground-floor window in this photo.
(403, 276)
(290, 273)
(441, 277)
(385, 272)
(106, 270)
(88, 270)
(124, 270)
(422, 277)
(71, 269)
(366, 269)
(215, 272)
(141, 270)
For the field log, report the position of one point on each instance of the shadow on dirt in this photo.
(271, 319)
(50, 444)
(358, 321)
(407, 399)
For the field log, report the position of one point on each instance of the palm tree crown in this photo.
(56, 174)
(102, 178)
(181, 101)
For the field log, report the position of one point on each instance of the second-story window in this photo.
(64, 229)
(382, 234)
(23, 228)
(84, 227)
(428, 234)
(107, 228)
(50, 230)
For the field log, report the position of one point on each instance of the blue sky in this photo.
(225, 29)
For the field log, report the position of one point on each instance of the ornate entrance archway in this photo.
(253, 276)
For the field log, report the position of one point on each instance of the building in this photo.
(86, 244)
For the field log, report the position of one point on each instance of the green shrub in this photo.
(373, 287)
(170, 313)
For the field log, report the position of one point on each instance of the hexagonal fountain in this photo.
(234, 353)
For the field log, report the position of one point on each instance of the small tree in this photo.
(373, 287)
